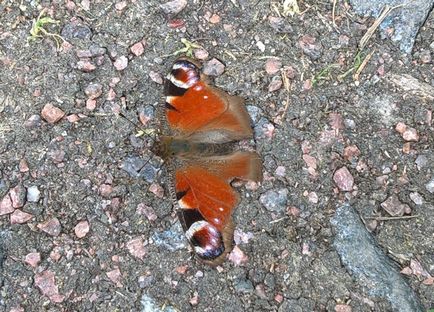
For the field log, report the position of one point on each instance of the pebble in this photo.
(51, 227)
(213, 67)
(157, 190)
(335, 121)
(243, 285)
(20, 217)
(273, 66)
(394, 207)
(410, 135)
(310, 161)
(121, 63)
(430, 186)
(81, 229)
(51, 113)
(111, 95)
(214, 19)
(33, 259)
(93, 91)
(6, 205)
(136, 248)
(23, 166)
(275, 84)
(18, 196)
(351, 151)
(173, 7)
(416, 198)
(400, 127)
(76, 30)
(90, 104)
(172, 239)
(115, 275)
(33, 194)
(137, 49)
(121, 5)
(343, 308)
(33, 122)
(310, 47)
(148, 211)
(45, 281)
(201, 54)
(156, 77)
(421, 161)
(275, 200)
(237, 256)
(343, 179)
(260, 45)
(85, 66)
(313, 197)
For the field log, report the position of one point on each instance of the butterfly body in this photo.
(204, 121)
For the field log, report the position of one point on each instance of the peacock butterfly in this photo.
(204, 122)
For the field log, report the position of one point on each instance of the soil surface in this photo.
(87, 222)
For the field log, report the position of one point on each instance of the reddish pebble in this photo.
(85, 66)
(278, 298)
(51, 227)
(111, 96)
(105, 190)
(45, 281)
(136, 248)
(351, 152)
(93, 90)
(214, 19)
(201, 54)
(137, 49)
(410, 135)
(343, 179)
(400, 127)
(121, 63)
(73, 118)
(33, 259)
(176, 23)
(121, 5)
(194, 301)
(20, 217)
(429, 281)
(173, 7)
(37, 92)
(394, 207)
(51, 113)
(90, 104)
(310, 161)
(156, 77)
(157, 190)
(343, 308)
(81, 229)
(114, 275)
(6, 205)
(406, 271)
(275, 84)
(272, 66)
(336, 121)
(213, 67)
(23, 166)
(307, 85)
(18, 196)
(237, 256)
(147, 211)
(181, 269)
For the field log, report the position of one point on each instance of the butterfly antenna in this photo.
(138, 127)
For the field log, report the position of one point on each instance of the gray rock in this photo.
(368, 263)
(138, 167)
(243, 285)
(430, 186)
(33, 194)
(172, 239)
(149, 305)
(405, 20)
(275, 200)
(76, 30)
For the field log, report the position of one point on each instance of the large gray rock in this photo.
(405, 20)
(368, 263)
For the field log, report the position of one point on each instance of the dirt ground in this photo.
(82, 230)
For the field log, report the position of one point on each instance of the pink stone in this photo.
(121, 5)
(121, 63)
(137, 49)
(23, 166)
(410, 135)
(6, 205)
(147, 211)
(273, 66)
(214, 19)
(343, 308)
(91, 104)
(81, 229)
(237, 256)
(18, 196)
(51, 227)
(400, 127)
(111, 96)
(201, 54)
(336, 121)
(73, 118)
(33, 259)
(105, 190)
(156, 77)
(275, 84)
(45, 281)
(351, 151)
(114, 275)
(19, 217)
(85, 66)
(157, 190)
(310, 161)
(343, 179)
(136, 248)
(51, 113)
(194, 301)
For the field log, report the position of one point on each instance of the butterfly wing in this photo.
(207, 200)
(199, 112)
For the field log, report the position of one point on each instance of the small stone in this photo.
(51, 227)
(214, 19)
(90, 104)
(81, 229)
(23, 166)
(313, 197)
(33, 259)
(351, 152)
(430, 186)
(273, 66)
(421, 161)
(121, 63)
(85, 4)
(76, 29)
(173, 7)
(114, 275)
(310, 47)
(343, 308)
(51, 113)
(20, 217)
(243, 285)
(33, 122)
(201, 54)
(213, 67)
(147, 211)
(278, 298)
(416, 198)
(137, 49)
(275, 84)
(400, 127)
(394, 207)
(136, 248)
(343, 179)
(33, 194)
(156, 77)
(111, 95)
(181, 269)
(57, 156)
(121, 5)
(275, 200)
(194, 301)
(307, 84)
(425, 57)
(93, 90)
(18, 196)
(105, 190)
(310, 161)
(237, 256)
(336, 122)
(6, 205)
(280, 171)
(157, 190)
(45, 281)
(85, 66)
(73, 118)
(260, 45)
(410, 135)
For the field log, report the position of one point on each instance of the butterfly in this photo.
(204, 122)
